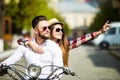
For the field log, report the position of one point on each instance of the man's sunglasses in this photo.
(58, 30)
(45, 28)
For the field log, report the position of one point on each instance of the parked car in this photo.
(110, 38)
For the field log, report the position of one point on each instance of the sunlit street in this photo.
(81, 34)
(90, 63)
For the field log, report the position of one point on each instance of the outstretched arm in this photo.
(105, 27)
(85, 38)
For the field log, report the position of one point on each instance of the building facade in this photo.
(78, 14)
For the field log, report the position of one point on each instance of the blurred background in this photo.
(80, 17)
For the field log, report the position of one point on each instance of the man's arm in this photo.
(16, 56)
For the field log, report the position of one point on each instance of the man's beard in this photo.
(42, 36)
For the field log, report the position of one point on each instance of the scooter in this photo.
(34, 71)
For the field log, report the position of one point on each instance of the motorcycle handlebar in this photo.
(66, 70)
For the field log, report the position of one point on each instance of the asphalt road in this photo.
(91, 64)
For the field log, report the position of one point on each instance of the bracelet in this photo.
(27, 41)
(26, 44)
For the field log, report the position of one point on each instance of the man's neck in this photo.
(40, 40)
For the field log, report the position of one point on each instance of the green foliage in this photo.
(107, 12)
(6, 46)
(23, 12)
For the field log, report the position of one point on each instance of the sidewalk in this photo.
(115, 52)
(6, 54)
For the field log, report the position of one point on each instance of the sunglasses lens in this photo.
(58, 30)
(49, 28)
(45, 28)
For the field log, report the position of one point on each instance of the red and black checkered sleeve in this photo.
(81, 40)
(23, 41)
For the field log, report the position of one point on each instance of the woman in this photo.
(57, 35)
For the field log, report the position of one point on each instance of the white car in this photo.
(110, 38)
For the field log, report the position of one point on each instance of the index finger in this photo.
(107, 22)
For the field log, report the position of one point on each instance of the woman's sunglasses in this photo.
(58, 30)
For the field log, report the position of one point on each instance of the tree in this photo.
(2, 12)
(23, 12)
(107, 12)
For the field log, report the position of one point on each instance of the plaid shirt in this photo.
(72, 44)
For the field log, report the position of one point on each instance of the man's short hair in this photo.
(36, 20)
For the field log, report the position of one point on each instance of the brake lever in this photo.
(68, 71)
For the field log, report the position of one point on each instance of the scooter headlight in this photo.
(34, 70)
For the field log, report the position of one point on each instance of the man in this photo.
(52, 52)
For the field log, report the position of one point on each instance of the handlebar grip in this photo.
(3, 68)
(72, 73)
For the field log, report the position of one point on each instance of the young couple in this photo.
(57, 35)
(46, 35)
